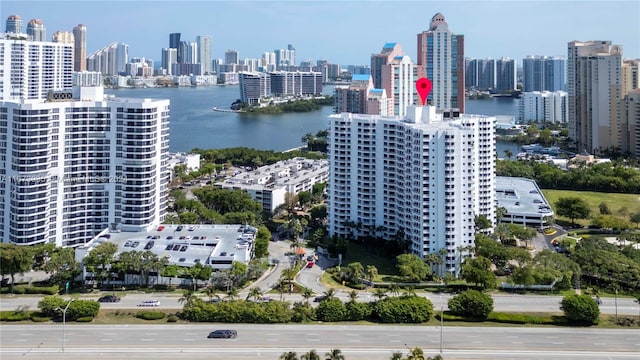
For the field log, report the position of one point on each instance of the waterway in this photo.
(194, 124)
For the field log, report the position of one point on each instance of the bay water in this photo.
(194, 123)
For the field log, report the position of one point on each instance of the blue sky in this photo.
(343, 32)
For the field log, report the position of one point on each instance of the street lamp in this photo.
(64, 320)
(441, 322)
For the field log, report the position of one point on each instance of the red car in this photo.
(161, 227)
(310, 264)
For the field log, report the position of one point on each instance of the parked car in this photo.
(150, 303)
(179, 228)
(223, 334)
(263, 299)
(109, 299)
(319, 298)
(310, 264)
(161, 227)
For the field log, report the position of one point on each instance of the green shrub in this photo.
(14, 315)
(331, 310)
(357, 311)
(49, 305)
(46, 290)
(471, 303)
(172, 318)
(85, 319)
(150, 315)
(82, 308)
(303, 312)
(18, 290)
(404, 309)
(39, 317)
(580, 309)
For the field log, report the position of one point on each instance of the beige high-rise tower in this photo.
(80, 48)
(594, 84)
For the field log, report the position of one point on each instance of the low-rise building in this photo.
(524, 202)
(269, 184)
(217, 246)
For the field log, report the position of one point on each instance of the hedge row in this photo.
(509, 318)
(25, 289)
(403, 309)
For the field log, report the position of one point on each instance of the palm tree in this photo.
(334, 354)
(211, 292)
(255, 294)
(353, 295)
(394, 289)
(416, 354)
(289, 355)
(307, 294)
(188, 296)
(372, 272)
(329, 293)
(232, 293)
(311, 355)
(380, 293)
(396, 356)
(409, 291)
(287, 276)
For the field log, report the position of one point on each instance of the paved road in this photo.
(173, 341)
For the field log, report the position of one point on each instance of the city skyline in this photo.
(492, 29)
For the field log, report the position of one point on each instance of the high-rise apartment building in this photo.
(79, 162)
(110, 60)
(285, 57)
(33, 69)
(378, 61)
(64, 37)
(14, 24)
(543, 106)
(480, 74)
(506, 78)
(169, 57)
(398, 81)
(441, 59)
(544, 73)
(204, 53)
(231, 57)
(36, 30)
(594, 84)
(421, 177)
(630, 117)
(254, 86)
(174, 43)
(80, 48)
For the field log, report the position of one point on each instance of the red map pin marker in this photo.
(423, 85)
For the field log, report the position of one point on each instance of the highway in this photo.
(177, 341)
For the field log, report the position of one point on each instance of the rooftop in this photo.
(521, 196)
(186, 245)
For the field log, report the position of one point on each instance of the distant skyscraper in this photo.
(231, 57)
(80, 48)
(630, 113)
(64, 37)
(506, 79)
(204, 53)
(169, 57)
(110, 60)
(543, 73)
(594, 83)
(36, 30)
(14, 24)
(389, 51)
(360, 97)
(441, 56)
(480, 73)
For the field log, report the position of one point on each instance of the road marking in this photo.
(273, 340)
(147, 339)
(21, 340)
(189, 339)
(394, 341)
(313, 339)
(517, 342)
(354, 340)
(106, 339)
(558, 343)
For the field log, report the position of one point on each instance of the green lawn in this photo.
(357, 253)
(617, 203)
